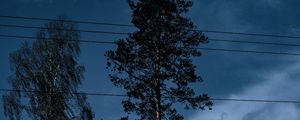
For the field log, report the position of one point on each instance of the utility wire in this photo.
(202, 48)
(83, 41)
(128, 25)
(90, 94)
(253, 42)
(75, 21)
(250, 34)
(256, 100)
(125, 33)
(88, 31)
(123, 95)
(249, 51)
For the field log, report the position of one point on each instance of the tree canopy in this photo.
(154, 64)
(46, 76)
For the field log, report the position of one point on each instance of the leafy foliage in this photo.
(47, 75)
(154, 63)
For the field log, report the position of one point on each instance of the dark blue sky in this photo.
(226, 75)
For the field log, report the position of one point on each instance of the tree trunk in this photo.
(158, 111)
(157, 87)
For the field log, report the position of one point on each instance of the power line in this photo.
(249, 51)
(256, 100)
(83, 41)
(253, 42)
(128, 25)
(202, 48)
(91, 94)
(75, 21)
(88, 31)
(250, 34)
(125, 33)
(123, 95)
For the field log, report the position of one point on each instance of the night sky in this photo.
(225, 74)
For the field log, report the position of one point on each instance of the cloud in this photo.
(280, 84)
(273, 3)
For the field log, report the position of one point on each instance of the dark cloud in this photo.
(226, 72)
(276, 85)
(255, 115)
(267, 16)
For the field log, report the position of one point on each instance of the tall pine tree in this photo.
(154, 63)
(47, 75)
